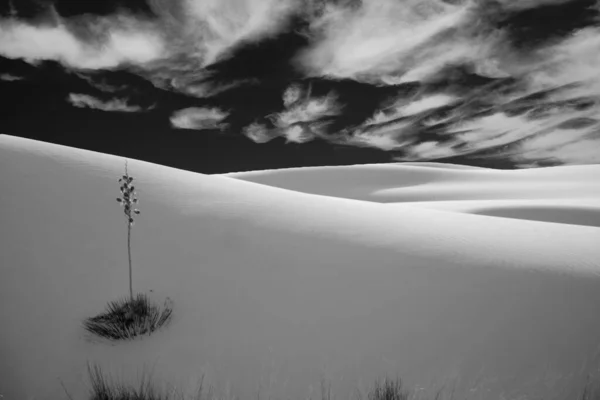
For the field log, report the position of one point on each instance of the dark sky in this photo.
(217, 86)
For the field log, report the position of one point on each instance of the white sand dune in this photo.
(562, 195)
(285, 287)
(440, 165)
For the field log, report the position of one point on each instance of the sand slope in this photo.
(562, 195)
(276, 289)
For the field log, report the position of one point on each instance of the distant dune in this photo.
(439, 165)
(559, 194)
(281, 279)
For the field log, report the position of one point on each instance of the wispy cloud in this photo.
(186, 36)
(260, 133)
(379, 40)
(407, 107)
(292, 95)
(101, 85)
(207, 89)
(210, 29)
(497, 129)
(574, 141)
(393, 42)
(390, 42)
(105, 43)
(298, 134)
(425, 103)
(525, 4)
(388, 138)
(585, 150)
(563, 136)
(199, 118)
(576, 59)
(302, 108)
(113, 105)
(449, 50)
(429, 150)
(305, 118)
(10, 78)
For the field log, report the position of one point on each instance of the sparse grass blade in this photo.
(389, 390)
(104, 388)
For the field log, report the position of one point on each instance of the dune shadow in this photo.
(560, 215)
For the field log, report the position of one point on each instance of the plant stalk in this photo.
(129, 253)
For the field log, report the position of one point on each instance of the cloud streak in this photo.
(101, 85)
(199, 118)
(10, 78)
(201, 33)
(103, 44)
(114, 105)
(214, 27)
(407, 107)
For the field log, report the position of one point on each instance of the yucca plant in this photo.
(127, 200)
(134, 316)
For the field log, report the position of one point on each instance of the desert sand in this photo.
(486, 279)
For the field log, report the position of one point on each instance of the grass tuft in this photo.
(104, 388)
(591, 390)
(388, 390)
(127, 318)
